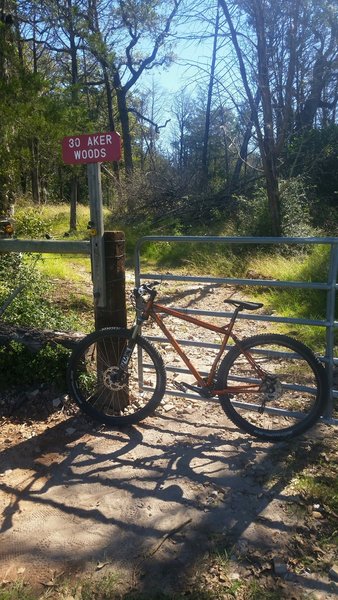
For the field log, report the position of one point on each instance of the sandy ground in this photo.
(152, 501)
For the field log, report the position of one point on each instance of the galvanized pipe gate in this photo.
(329, 358)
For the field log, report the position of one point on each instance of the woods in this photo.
(255, 123)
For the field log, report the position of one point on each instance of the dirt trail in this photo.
(150, 501)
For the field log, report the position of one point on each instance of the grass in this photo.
(106, 589)
(65, 266)
(310, 266)
(193, 258)
(52, 220)
(17, 591)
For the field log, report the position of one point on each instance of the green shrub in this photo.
(33, 306)
(19, 365)
(10, 263)
(253, 217)
(30, 223)
(295, 211)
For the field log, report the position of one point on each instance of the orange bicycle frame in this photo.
(152, 309)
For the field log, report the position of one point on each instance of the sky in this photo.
(184, 74)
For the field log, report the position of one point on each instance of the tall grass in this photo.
(201, 259)
(311, 266)
(65, 266)
(306, 267)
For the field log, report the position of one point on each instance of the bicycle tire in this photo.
(299, 398)
(91, 370)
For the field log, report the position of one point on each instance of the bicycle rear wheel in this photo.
(97, 385)
(290, 397)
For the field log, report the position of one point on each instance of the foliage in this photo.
(33, 307)
(29, 223)
(314, 156)
(60, 90)
(18, 364)
(295, 209)
(10, 263)
(252, 215)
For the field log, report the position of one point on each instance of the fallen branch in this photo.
(36, 339)
(165, 537)
(150, 553)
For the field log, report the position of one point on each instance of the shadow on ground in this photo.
(150, 502)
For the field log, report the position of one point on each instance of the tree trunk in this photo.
(121, 96)
(204, 181)
(75, 101)
(243, 153)
(73, 203)
(269, 148)
(265, 140)
(111, 122)
(35, 171)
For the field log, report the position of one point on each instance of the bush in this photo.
(10, 263)
(33, 306)
(18, 364)
(253, 217)
(30, 223)
(295, 208)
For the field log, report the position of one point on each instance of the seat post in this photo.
(233, 318)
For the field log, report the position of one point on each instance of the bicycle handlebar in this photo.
(146, 288)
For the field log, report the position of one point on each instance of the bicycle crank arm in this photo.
(184, 387)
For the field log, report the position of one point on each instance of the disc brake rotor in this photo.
(272, 388)
(113, 380)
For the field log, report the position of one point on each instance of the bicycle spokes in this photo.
(287, 395)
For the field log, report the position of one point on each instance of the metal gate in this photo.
(329, 358)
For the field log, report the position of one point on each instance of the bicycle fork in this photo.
(126, 356)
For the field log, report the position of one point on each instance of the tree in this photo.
(128, 42)
(182, 111)
(209, 101)
(265, 137)
(280, 68)
(316, 74)
(9, 75)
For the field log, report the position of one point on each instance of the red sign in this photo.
(91, 148)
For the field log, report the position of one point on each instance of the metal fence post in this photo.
(330, 317)
(96, 228)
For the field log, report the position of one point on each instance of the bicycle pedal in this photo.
(180, 386)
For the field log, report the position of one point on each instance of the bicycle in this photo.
(271, 386)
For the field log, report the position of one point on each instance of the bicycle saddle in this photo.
(244, 305)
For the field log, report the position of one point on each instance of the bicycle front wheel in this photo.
(104, 392)
(286, 398)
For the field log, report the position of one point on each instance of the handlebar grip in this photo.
(146, 288)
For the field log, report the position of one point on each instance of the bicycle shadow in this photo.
(119, 493)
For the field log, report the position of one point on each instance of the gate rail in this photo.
(330, 286)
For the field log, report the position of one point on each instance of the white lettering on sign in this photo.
(95, 147)
(90, 153)
(74, 143)
(99, 140)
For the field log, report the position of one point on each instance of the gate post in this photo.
(114, 313)
(96, 229)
